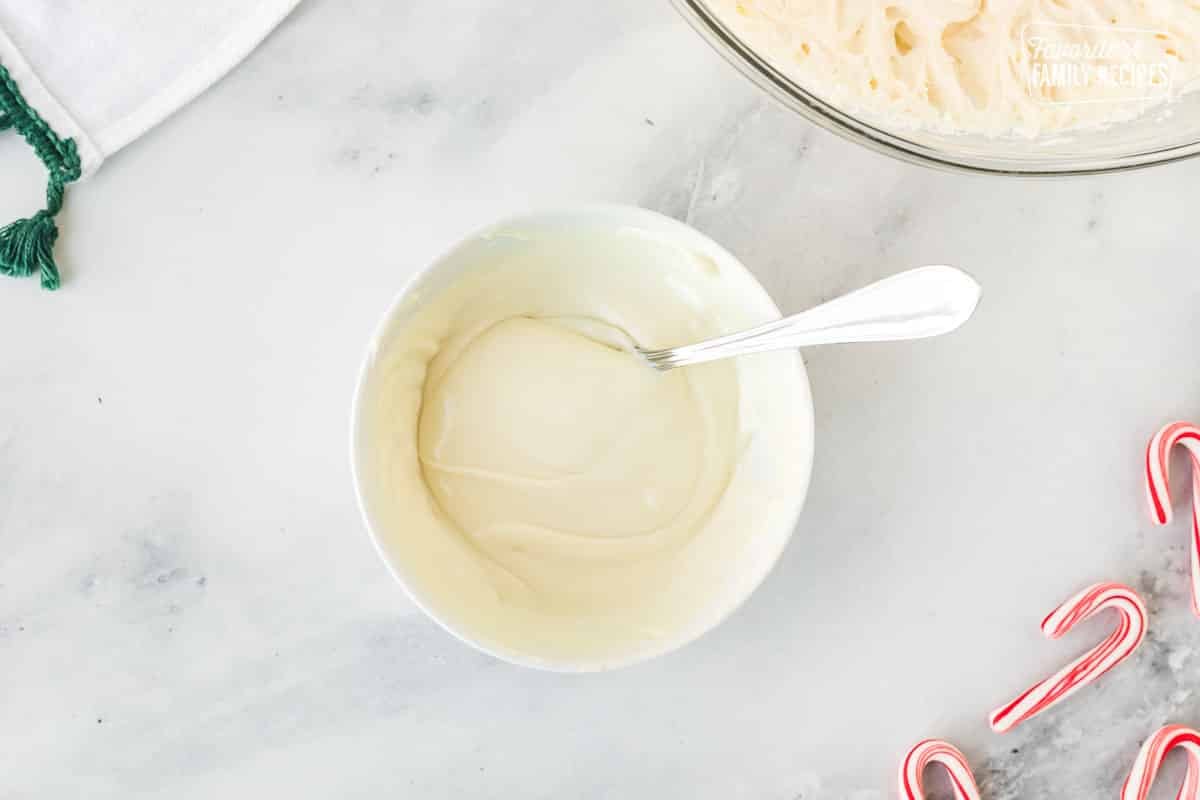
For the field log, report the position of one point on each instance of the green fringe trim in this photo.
(27, 245)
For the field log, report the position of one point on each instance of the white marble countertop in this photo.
(189, 605)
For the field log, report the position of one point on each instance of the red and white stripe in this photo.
(1158, 465)
(1116, 648)
(932, 751)
(1150, 758)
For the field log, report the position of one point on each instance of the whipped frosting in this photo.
(545, 492)
(979, 66)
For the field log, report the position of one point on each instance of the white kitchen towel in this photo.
(80, 79)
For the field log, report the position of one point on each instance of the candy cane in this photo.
(1085, 669)
(1150, 758)
(931, 751)
(1158, 464)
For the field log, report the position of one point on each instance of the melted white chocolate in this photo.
(560, 494)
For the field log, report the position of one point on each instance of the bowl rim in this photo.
(619, 215)
(825, 115)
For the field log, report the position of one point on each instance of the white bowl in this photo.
(773, 388)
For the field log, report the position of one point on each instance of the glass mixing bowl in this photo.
(1169, 133)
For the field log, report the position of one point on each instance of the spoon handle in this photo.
(927, 301)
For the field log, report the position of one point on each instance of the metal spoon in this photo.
(922, 302)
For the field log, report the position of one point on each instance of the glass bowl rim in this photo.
(832, 119)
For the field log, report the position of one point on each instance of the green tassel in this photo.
(27, 245)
